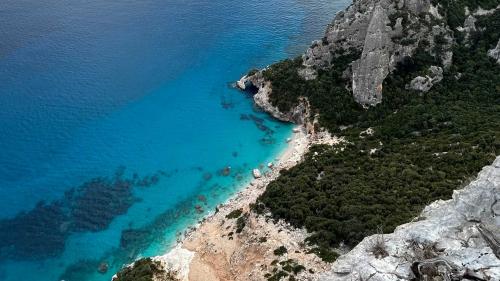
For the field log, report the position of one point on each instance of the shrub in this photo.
(145, 269)
(234, 214)
(240, 224)
(281, 250)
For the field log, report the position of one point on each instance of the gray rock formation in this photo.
(371, 69)
(469, 27)
(495, 52)
(365, 28)
(424, 84)
(416, 6)
(457, 239)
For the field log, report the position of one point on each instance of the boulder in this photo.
(424, 84)
(103, 267)
(256, 173)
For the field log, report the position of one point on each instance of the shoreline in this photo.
(212, 249)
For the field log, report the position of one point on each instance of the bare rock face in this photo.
(457, 239)
(469, 27)
(370, 71)
(495, 52)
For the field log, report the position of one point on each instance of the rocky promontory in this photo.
(382, 32)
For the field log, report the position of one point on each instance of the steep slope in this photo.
(414, 87)
(452, 239)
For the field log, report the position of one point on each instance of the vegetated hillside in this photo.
(145, 269)
(421, 146)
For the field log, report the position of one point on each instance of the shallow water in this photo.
(118, 119)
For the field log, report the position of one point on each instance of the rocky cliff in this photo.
(457, 239)
(382, 33)
(297, 115)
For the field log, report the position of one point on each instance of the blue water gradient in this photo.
(118, 120)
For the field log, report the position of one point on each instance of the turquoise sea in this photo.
(118, 122)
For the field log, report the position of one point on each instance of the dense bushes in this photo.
(454, 10)
(144, 270)
(327, 94)
(424, 145)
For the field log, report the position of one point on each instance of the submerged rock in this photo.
(256, 173)
(226, 171)
(103, 267)
(199, 209)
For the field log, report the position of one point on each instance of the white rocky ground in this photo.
(461, 234)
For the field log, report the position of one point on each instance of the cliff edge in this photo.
(456, 239)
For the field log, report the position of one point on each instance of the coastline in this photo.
(214, 250)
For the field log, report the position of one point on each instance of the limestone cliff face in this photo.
(450, 240)
(370, 70)
(383, 32)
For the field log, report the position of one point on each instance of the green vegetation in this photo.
(325, 254)
(252, 72)
(241, 223)
(234, 214)
(423, 147)
(144, 270)
(277, 275)
(327, 93)
(454, 10)
(285, 268)
(281, 250)
(241, 219)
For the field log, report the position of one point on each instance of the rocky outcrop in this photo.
(424, 84)
(469, 27)
(256, 82)
(384, 32)
(378, 34)
(457, 239)
(369, 72)
(495, 52)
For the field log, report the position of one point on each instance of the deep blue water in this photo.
(117, 118)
